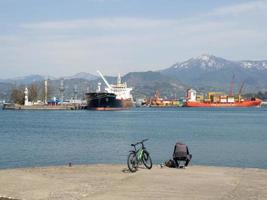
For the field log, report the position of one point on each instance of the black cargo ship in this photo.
(103, 101)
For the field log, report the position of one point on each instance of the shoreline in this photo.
(122, 164)
(113, 181)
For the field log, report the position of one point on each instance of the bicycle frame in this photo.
(139, 152)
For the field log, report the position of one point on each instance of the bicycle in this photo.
(139, 156)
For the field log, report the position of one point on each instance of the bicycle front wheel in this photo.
(147, 160)
(132, 162)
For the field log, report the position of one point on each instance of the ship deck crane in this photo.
(240, 90)
(231, 92)
(106, 82)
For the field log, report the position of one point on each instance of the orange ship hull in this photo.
(245, 103)
(127, 103)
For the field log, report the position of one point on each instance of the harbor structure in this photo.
(47, 104)
(61, 90)
(26, 97)
(46, 91)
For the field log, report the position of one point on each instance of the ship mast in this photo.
(106, 82)
(231, 93)
(240, 90)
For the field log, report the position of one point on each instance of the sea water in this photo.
(234, 137)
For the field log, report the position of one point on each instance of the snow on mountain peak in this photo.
(260, 65)
(205, 61)
(205, 57)
(247, 65)
(210, 63)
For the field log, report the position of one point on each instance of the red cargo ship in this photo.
(216, 99)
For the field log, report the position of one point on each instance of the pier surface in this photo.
(43, 107)
(115, 182)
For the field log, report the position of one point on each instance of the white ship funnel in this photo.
(119, 79)
(98, 87)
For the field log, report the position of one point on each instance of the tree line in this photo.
(35, 93)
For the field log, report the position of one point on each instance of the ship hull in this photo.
(103, 101)
(246, 103)
(127, 103)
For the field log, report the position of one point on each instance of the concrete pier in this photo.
(43, 107)
(115, 182)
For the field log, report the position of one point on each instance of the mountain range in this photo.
(36, 78)
(208, 72)
(204, 73)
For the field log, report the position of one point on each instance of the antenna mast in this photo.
(61, 90)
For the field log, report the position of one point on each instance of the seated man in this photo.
(181, 153)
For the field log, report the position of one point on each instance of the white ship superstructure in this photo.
(121, 90)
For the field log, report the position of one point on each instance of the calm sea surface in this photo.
(222, 137)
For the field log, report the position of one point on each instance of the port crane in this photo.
(240, 90)
(231, 92)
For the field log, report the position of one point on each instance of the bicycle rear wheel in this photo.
(132, 162)
(147, 160)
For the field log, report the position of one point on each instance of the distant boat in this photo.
(217, 99)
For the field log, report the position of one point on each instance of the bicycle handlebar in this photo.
(145, 140)
(141, 142)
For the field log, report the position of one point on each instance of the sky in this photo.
(64, 37)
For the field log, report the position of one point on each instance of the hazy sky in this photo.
(64, 37)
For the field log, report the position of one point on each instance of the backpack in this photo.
(170, 163)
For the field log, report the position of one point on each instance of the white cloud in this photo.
(101, 23)
(123, 44)
(242, 8)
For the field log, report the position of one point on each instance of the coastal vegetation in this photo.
(35, 93)
(17, 96)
